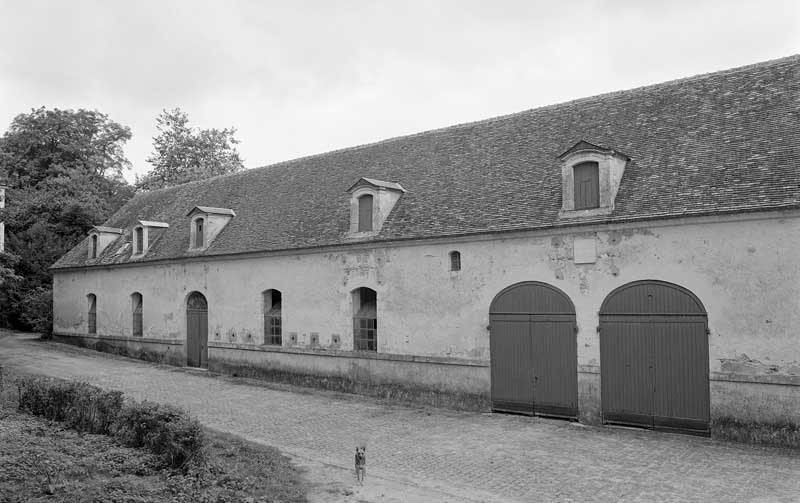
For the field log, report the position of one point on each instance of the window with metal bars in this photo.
(365, 320)
(455, 261)
(365, 333)
(92, 313)
(273, 329)
(136, 299)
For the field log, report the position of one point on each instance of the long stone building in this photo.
(627, 258)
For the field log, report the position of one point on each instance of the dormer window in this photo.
(590, 177)
(99, 238)
(206, 223)
(198, 233)
(365, 213)
(371, 202)
(138, 240)
(587, 185)
(145, 234)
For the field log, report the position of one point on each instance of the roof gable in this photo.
(211, 210)
(379, 184)
(585, 146)
(149, 223)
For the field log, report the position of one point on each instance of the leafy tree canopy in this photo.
(64, 172)
(46, 144)
(183, 154)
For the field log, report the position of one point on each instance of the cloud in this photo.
(302, 77)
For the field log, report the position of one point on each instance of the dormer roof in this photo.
(111, 230)
(377, 184)
(585, 146)
(211, 210)
(149, 223)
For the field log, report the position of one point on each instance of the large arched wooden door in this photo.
(196, 330)
(654, 357)
(534, 351)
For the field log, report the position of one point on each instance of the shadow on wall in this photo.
(170, 357)
(361, 385)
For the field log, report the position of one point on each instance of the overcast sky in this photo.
(298, 78)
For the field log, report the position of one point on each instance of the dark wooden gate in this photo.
(196, 330)
(534, 351)
(654, 358)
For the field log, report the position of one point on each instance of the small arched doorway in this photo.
(654, 357)
(196, 330)
(534, 353)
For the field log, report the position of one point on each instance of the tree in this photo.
(184, 154)
(46, 144)
(64, 172)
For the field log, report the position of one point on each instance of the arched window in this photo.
(365, 213)
(136, 302)
(365, 319)
(92, 300)
(93, 246)
(272, 305)
(587, 185)
(198, 233)
(455, 261)
(138, 240)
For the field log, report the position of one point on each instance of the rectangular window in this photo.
(364, 213)
(139, 244)
(272, 327)
(365, 331)
(137, 316)
(587, 186)
(92, 314)
(198, 233)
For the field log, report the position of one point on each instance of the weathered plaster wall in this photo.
(743, 271)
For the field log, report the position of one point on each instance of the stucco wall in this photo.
(743, 271)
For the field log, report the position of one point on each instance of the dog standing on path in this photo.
(361, 464)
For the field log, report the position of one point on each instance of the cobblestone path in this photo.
(449, 456)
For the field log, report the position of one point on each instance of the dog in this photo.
(361, 464)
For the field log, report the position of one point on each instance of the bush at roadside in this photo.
(164, 430)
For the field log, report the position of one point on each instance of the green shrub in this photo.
(81, 406)
(165, 430)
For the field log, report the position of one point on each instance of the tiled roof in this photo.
(715, 143)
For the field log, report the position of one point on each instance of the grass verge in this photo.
(44, 460)
(777, 434)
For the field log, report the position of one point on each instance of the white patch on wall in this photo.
(584, 250)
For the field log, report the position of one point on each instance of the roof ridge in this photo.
(700, 76)
(354, 148)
